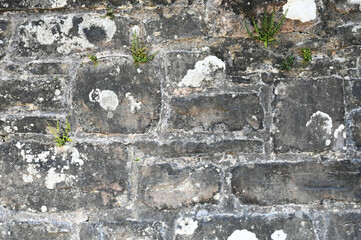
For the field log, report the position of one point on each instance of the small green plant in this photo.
(109, 14)
(94, 59)
(61, 134)
(140, 52)
(56, 78)
(268, 28)
(287, 63)
(306, 55)
(136, 160)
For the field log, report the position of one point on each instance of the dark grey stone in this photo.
(32, 94)
(206, 113)
(48, 68)
(14, 124)
(302, 112)
(69, 178)
(183, 149)
(344, 226)
(294, 226)
(35, 230)
(115, 98)
(163, 187)
(356, 130)
(303, 182)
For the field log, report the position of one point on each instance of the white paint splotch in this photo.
(107, 99)
(133, 103)
(279, 235)
(323, 119)
(303, 10)
(185, 226)
(243, 234)
(203, 71)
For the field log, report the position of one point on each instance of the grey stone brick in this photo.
(304, 182)
(344, 226)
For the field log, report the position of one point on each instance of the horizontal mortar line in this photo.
(17, 115)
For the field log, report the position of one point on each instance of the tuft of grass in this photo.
(287, 63)
(268, 28)
(306, 55)
(136, 160)
(140, 52)
(94, 59)
(109, 14)
(61, 133)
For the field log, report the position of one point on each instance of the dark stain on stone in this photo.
(95, 34)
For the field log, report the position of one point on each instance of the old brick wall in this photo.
(229, 146)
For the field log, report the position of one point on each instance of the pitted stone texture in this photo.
(115, 97)
(175, 26)
(344, 226)
(35, 230)
(163, 187)
(181, 148)
(73, 177)
(4, 35)
(14, 124)
(208, 113)
(48, 68)
(32, 94)
(303, 182)
(307, 113)
(63, 35)
(247, 7)
(356, 130)
(126, 229)
(293, 226)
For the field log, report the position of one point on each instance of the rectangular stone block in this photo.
(126, 229)
(164, 187)
(17, 230)
(344, 226)
(309, 115)
(48, 68)
(225, 112)
(275, 226)
(356, 129)
(4, 36)
(77, 176)
(182, 148)
(33, 94)
(22, 124)
(116, 97)
(302, 183)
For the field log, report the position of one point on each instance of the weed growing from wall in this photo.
(94, 59)
(109, 14)
(306, 55)
(61, 133)
(287, 63)
(268, 28)
(140, 52)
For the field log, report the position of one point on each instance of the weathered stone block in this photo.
(182, 148)
(304, 182)
(32, 94)
(163, 187)
(208, 113)
(61, 35)
(116, 97)
(48, 68)
(13, 124)
(123, 230)
(308, 115)
(4, 35)
(344, 226)
(356, 130)
(35, 230)
(175, 26)
(272, 226)
(44, 178)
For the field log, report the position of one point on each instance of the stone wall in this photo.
(210, 140)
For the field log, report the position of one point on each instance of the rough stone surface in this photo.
(306, 182)
(211, 139)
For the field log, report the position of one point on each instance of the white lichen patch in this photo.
(328, 142)
(185, 226)
(279, 235)
(133, 103)
(326, 121)
(339, 131)
(58, 3)
(52, 178)
(355, 2)
(303, 10)
(44, 208)
(107, 99)
(32, 172)
(50, 30)
(28, 157)
(75, 157)
(203, 71)
(242, 234)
